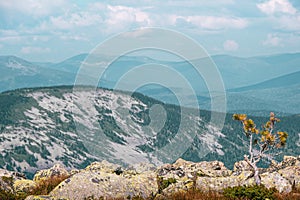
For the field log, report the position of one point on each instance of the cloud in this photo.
(211, 22)
(230, 45)
(272, 40)
(276, 6)
(33, 7)
(34, 50)
(73, 37)
(11, 39)
(73, 20)
(291, 23)
(120, 17)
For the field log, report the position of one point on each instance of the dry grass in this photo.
(294, 195)
(44, 187)
(199, 195)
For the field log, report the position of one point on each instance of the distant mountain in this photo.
(43, 126)
(253, 84)
(284, 81)
(19, 73)
(70, 65)
(238, 72)
(279, 94)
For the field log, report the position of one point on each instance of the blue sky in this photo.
(53, 30)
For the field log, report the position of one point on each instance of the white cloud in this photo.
(137, 33)
(230, 45)
(69, 21)
(211, 22)
(33, 7)
(192, 4)
(73, 37)
(272, 40)
(11, 39)
(277, 6)
(34, 50)
(120, 17)
(291, 23)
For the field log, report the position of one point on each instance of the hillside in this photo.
(236, 72)
(19, 73)
(284, 81)
(254, 85)
(43, 126)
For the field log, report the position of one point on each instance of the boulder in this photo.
(24, 186)
(141, 168)
(103, 166)
(183, 168)
(7, 179)
(291, 160)
(179, 186)
(220, 183)
(241, 166)
(287, 162)
(41, 197)
(102, 182)
(292, 174)
(274, 179)
(56, 171)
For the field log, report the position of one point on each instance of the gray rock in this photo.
(98, 183)
(57, 170)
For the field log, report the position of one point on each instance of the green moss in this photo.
(164, 183)
(250, 192)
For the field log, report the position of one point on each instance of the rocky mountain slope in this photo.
(104, 180)
(43, 126)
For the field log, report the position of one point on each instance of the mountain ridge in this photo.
(40, 126)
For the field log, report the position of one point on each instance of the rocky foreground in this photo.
(103, 180)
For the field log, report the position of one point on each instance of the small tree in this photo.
(261, 142)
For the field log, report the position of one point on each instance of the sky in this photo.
(53, 30)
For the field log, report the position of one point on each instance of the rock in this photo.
(287, 162)
(6, 184)
(179, 186)
(41, 197)
(24, 186)
(291, 161)
(74, 171)
(56, 171)
(14, 175)
(220, 183)
(181, 163)
(213, 165)
(96, 182)
(7, 179)
(292, 174)
(188, 169)
(141, 167)
(160, 197)
(106, 180)
(241, 166)
(212, 169)
(103, 166)
(275, 180)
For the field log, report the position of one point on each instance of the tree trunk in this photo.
(256, 176)
(255, 169)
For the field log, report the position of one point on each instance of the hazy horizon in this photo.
(51, 31)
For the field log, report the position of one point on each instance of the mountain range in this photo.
(252, 84)
(76, 126)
